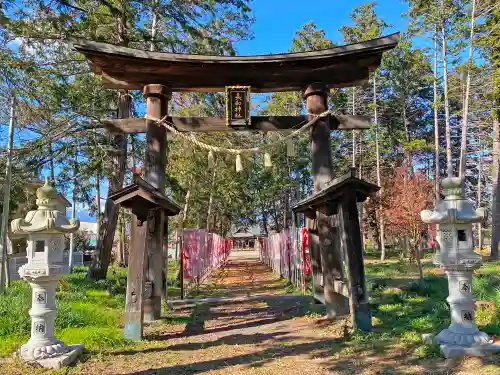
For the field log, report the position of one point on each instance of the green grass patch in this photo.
(87, 312)
(95, 338)
(11, 343)
(404, 309)
(489, 268)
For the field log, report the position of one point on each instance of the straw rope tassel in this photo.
(267, 160)
(239, 167)
(290, 148)
(211, 162)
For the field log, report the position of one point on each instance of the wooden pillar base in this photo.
(154, 269)
(151, 312)
(134, 307)
(336, 303)
(353, 255)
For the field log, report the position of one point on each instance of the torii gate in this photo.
(159, 74)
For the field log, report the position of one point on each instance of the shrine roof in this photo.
(341, 66)
(335, 192)
(141, 197)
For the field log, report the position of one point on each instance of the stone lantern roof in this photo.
(46, 218)
(453, 209)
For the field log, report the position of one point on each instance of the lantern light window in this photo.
(39, 246)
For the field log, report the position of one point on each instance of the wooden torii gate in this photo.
(159, 74)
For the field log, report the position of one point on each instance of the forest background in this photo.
(434, 104)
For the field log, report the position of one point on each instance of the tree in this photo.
(380, 228)
(489, 41)
(367, 25)
(465, 117)
(405, 197)
(406, 77)
(186, 26)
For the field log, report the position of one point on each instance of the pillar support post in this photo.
(157, 97)
(324, 250)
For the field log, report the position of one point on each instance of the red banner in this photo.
(287, 254)
(202, 253)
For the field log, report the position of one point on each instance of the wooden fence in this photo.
(287, 254)
(202, 253)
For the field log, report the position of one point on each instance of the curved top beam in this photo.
(129, 68)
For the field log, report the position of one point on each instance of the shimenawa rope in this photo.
(211, 149)
(189, 137)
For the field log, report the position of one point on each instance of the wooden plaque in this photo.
(238, 106)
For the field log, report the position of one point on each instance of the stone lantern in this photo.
(454, 216)
(45, 229)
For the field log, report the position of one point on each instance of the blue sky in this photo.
(276, 21)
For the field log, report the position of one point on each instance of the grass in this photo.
(89, 312)
(403, 310)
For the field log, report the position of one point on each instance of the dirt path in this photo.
(243, 275)
(255, 333)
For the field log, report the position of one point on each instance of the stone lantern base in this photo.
(455, 351)
(463, 337)
(458, 344)
(67, 358)
(43, 347)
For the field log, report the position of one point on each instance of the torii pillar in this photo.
(325, 251)
(157, 97)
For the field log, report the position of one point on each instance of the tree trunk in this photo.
(463, 143)
(102, 256)
(495, 216)
(418, 254)
(154, 26)
(406, 248)
(444, 53)
(377, 233)
(51, 163)
(379, 210)
(408, 157)
(210, 201)
(264, 219)
(286, 206)
(479, 177)
(436, 124)
(120, 259)
(73, 210)
(4, 266)
(98, 200)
